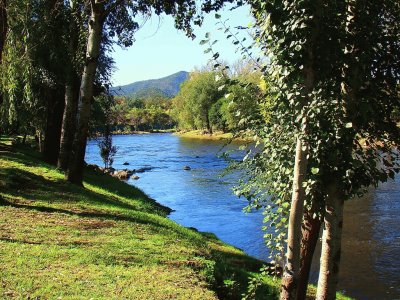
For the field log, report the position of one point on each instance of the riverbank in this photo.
(123, 132)
(216, 136)
(105, 240)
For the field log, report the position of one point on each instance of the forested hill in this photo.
(167, 86)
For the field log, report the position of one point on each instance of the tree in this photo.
(3, 27)
(118, 16)
(107, 150)
(193, 103)
(33, 79)
(27, 80)
(3, 34)
(354, 90)
(370, 93)
(72, 70)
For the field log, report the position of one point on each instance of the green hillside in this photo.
(167, 86)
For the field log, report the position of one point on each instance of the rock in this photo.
(126, 163)
(122, 175)
(197, 156)
(94, 167)
(187, 168)
(135, 177)
(142, 170)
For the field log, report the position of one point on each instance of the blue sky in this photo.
(161, 50)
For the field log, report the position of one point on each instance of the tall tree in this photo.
(369, 93)
(3, 26)
(49, 55)
(353, 74)
(75, 54)
(118, 16)
(3, 34)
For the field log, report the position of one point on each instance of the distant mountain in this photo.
(167, 86)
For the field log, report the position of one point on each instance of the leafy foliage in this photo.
(214, 101)
(107, 150)
(350, 128)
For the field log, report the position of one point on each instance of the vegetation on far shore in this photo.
(215, 136)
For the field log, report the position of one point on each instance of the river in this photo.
(202, 199)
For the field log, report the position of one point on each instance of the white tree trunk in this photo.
(331, 244)
(76, 164)
(292, 267)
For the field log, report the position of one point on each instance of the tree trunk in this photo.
(40, 140)
(68, 125)
(3, 26)
(331, 244)
(76, 164)
(71, 96)
(310, 234)
(3, 33)
(208, 124)
(291, 272)
(55, 108)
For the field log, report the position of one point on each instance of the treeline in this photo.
(55, 68)
(142, 113)
(209, 101)
(219, 101)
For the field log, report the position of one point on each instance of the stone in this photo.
(122, 175)
(142, 170)
(187, 168)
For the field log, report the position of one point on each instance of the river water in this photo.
(200, 198)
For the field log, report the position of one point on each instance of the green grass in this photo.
(107, 240)
(198, 134)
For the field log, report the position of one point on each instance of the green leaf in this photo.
(314, 171)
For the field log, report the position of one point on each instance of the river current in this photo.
(201, 198)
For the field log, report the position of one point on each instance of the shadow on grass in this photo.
(70, 199)
(96, 215)
(113, 185)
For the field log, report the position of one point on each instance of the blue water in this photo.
(202, 199)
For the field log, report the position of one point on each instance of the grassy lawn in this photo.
(107, 240)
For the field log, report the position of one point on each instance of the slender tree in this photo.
(72, 69)
(342, 107)
(3, 26)
(118, 18)
(370, 94)
(3, 34)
